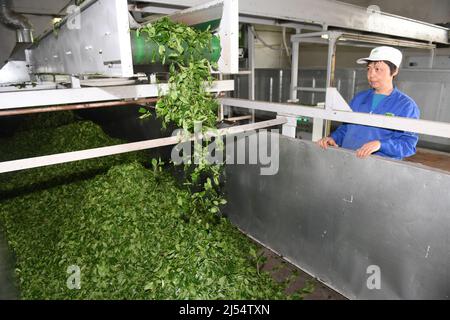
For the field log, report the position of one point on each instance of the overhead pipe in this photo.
(16, 21)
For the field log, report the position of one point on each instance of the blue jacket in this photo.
(394, 144)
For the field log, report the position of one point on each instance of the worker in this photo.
(385, 99)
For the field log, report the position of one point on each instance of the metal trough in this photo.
(347, 221)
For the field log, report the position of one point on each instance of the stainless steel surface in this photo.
(209, 11)
(24, 36)
(277, 22)
(19, 51)
(355, 39)
(431, 90)
(441, 61)
(27, 86)
(14, 72)
(336, 14)
(98, 40)
(100, 44)
(151, 9)
(280, 85)
(335, 215)
(271, 90)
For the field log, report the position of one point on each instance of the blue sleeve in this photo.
(402, 144)
(339, 134)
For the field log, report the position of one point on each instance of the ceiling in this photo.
(42, 7)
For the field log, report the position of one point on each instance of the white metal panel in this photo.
(229, 35)
(439, 62)
(12, 100)
(335, 101)
(29, 87)
(14, 72)
(429, 88)
(209, 11)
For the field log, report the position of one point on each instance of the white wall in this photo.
(270, 58)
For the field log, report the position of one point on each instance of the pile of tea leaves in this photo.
(118, 227)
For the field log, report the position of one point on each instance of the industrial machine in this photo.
(318, 211)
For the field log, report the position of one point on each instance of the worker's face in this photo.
(379, 75)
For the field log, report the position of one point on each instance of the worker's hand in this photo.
(367, 149)
(327, 141)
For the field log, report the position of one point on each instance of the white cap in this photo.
(384, 53)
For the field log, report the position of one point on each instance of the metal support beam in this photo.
(25, 99)
(77, 107)
(331, 58)
(432, 56)
(276, 22)
(433, 128)
(356, 39)
(333, 37)
(75, 82)
(251, 66)
(151, 9)
(294, 68)
(290, 127)
(17, 165)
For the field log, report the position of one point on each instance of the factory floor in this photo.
(299, 281)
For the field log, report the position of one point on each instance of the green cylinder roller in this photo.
(146, 51)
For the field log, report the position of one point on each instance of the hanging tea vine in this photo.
(187, 100)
